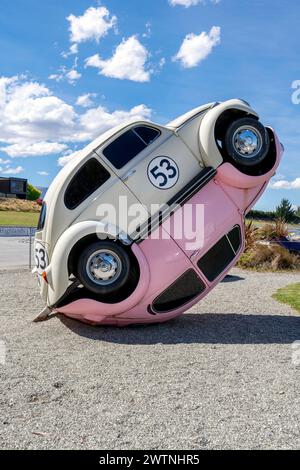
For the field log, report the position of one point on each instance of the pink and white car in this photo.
(147, 219)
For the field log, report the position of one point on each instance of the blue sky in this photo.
(53, 100)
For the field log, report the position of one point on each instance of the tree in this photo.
(32, 193)
(285, 211)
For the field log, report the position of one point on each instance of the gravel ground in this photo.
(14, 252)
(221, 376)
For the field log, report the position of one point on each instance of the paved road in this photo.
(14, 252)
(220, 376)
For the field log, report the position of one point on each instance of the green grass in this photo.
(24, 219)
(289, 295)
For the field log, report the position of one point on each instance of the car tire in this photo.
(103, 267)
(246, 142)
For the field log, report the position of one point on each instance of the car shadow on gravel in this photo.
(210, 328)
(232, 278)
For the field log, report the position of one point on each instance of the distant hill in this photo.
(43, 190)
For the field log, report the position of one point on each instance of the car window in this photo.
(147, 134)
(129, 144)
(42, 217)
(87, 180)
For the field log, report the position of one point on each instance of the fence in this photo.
(16, 246)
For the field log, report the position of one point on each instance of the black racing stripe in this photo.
(186, 193)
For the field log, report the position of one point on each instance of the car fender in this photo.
(57, 271)
(207, 142)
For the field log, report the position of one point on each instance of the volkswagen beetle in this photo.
(114, 241)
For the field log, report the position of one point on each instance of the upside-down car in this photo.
(117, 269)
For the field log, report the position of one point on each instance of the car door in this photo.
(152, 161)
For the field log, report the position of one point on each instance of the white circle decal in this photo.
(163, 172)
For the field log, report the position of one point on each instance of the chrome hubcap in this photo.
(104, 267)
(247, 141)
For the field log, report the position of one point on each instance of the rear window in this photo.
(42, 217)
(129, 144)
(87, 180)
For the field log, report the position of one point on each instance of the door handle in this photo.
(128, 175)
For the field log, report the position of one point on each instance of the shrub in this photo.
(275, 231)
(18, 205)
(251, 235)
(269, 258)
(32, 193)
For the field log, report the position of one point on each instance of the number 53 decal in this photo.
(163, 172)
(41, 258)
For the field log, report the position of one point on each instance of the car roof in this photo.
(179, 121)
(172, 125)
(115, 130)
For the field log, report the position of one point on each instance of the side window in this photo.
(147, 134)
(86, 181)
(129, 144)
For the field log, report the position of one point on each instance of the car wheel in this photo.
(103, 267)
(247, 142)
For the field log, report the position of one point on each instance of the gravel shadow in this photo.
(210, 328)
(232, 278)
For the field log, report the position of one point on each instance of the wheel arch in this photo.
(83, 242)
(59, 264)
(212, 124)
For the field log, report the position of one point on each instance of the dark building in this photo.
(13, 187)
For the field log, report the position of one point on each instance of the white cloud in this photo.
(195, 49)
(42, 173)
(92, 25)
(4, 162)
(128, 62)
(62, 161)
(189, 3)
(284, 184)
(162, 62)
(148, 31)
(97, 120)
(23, 149)
(70, 75)
(33, 120)
(73, 75)
(12, 171)
(86, 100)
(73, 50)
(30, 113)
